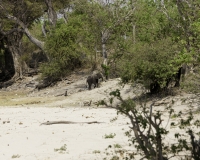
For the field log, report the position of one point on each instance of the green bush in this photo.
(153, 63)
(63, 50)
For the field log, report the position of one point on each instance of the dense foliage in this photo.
(63, 49)
(137, 40)
(158, 52)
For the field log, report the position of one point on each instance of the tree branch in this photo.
(37, 42)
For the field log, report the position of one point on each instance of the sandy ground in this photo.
(23, 137)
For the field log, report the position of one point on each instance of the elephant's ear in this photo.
(93, 76)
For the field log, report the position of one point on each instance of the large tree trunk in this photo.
(17, 65)
(14, 47)
(12, 54)
(9, 69)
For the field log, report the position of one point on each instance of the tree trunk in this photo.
(52, 16)
(134, 34)
(44, 31)
(16, 61)
(104, 54)
(13, 69)
(104, 37)
(9, 69)
(13, 48)
(17, 65)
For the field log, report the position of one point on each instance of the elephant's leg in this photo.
(96, 82)
(89, 84)
(95, 85)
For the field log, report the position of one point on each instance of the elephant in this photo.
(94, 79)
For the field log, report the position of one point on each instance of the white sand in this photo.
(22, 137)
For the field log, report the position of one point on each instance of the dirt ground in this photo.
(23, 109)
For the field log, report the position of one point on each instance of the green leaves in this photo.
(63, 48)
(163, 42)
(152, 63)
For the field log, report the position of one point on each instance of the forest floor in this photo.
(98, 132)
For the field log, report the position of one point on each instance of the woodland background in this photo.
(145, 41)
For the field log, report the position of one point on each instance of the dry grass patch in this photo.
(14, 98)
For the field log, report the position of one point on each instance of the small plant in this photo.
(115, 152)
(117, 146)
(113, 119)
(15, 156)
(96, 151)
(174, 116)
(62, 149)
(115, 158)
(111, 135)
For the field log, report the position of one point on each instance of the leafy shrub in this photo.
(111, 135)
(154, 63)
(147, 132)
(63, 50)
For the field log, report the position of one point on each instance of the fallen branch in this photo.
(67, 122)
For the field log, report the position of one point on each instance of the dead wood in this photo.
(67, 122)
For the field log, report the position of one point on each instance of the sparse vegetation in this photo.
(147, 132)
(111, 135)
(117, 152)
(115, 158)
(16, 156)
(114, 119)
(62, 149)
(117, 146)
(13, 98)
(96, 152)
